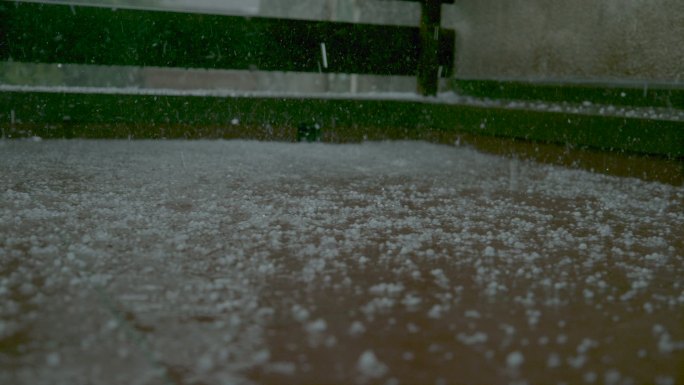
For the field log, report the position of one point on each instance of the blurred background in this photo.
(582, 40)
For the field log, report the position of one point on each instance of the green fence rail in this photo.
(636, 94)
(101, 115)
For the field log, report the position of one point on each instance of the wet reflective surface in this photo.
(212, 262)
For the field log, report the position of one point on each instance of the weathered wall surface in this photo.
(382, 12)
(588, 39)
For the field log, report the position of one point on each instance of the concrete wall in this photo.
(587, 39)
(381, 12)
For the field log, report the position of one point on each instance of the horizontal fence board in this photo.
(92, 115)
(42, 33)
(638, 95)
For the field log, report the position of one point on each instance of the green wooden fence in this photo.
(48, 33)
(51, 33)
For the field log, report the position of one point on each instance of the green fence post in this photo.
(428, 65)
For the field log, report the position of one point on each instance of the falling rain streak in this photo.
(324, 55)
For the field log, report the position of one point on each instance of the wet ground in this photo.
(231, 262)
